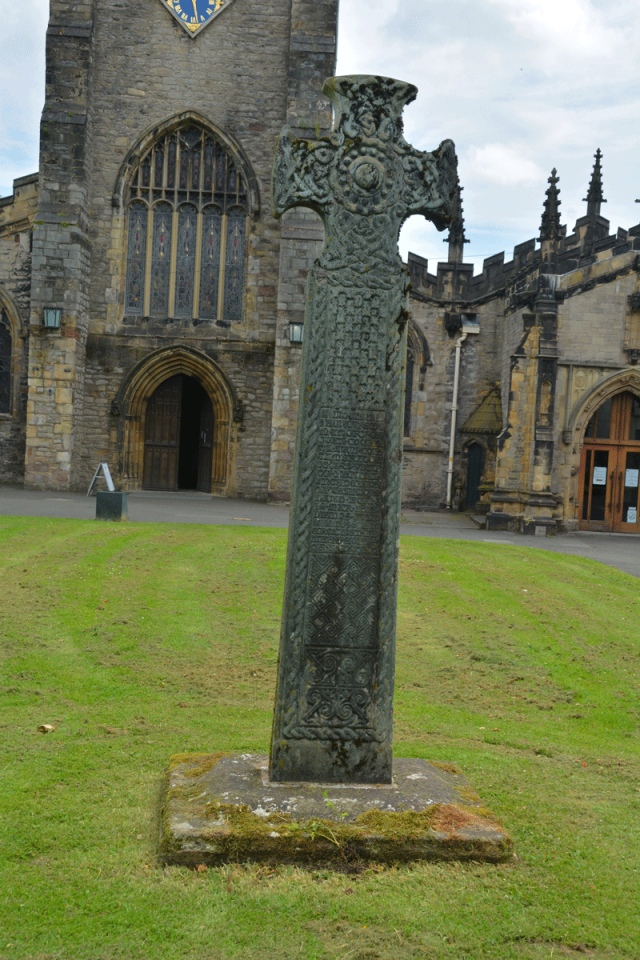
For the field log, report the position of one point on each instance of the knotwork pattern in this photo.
(335, 677)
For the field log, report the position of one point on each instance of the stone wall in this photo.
(538, 467)
(312, 57)
(61, 252)
(113, 82)
(16, 216)
(247, 366)
(426, 451)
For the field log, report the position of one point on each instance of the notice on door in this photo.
(631, 478)
(632, 513)
(600, 476)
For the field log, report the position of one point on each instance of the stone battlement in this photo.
(18, 209)
(589, 243)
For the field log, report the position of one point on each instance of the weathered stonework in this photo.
(109, 73)
(333, 714)
(219, 808)
(16, 218)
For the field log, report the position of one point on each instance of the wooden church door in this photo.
(610, 467)
(162, 436)
(179, 437)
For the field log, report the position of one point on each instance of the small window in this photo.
(5, 365)
(600, 423)
(408, 396)
(634, 423)
(187, 231)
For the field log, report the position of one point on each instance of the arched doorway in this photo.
(610, 467)
(178, 438)
(188, 374)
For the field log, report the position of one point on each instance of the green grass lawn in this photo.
(139, 641)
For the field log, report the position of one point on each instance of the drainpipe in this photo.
(467, 328)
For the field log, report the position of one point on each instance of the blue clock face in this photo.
(194, 15)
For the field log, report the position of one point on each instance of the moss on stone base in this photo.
(198, 827)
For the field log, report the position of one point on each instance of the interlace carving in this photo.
(335, 678)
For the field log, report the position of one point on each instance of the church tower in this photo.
(158, 269)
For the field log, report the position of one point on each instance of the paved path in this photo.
(616, 550)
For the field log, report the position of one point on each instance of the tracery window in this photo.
(5, 364)
(187, 232)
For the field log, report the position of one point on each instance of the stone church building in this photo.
(151, 307)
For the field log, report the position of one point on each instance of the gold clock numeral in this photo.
(203, 11)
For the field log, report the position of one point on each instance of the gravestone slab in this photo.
(333, 714)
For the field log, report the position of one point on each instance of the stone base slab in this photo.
(220, 808)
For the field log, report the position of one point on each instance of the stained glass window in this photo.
(136, 259)
(171, 162)
(186, 260)
(161, 260)
(188, 187)
(210, 264)
(209, 154)
(159, 167)
(234, 265)
(5, 365)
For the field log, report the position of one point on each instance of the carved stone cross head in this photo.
(365, 169)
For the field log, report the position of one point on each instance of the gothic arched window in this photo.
(187, 233)
(5, 364)
(408, 389)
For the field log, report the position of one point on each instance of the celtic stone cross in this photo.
(333, 715)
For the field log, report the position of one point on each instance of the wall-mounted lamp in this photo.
(296, 331)
(52, 317)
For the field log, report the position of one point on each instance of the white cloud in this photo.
(503, 164)
(567, 27)
(22, 34)
(520, 85)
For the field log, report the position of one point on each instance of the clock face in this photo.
(194, 15)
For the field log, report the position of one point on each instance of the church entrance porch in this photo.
(178, 437)
(177, 423)
(610, 467)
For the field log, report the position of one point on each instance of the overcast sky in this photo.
(521, 86)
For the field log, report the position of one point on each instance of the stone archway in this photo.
(605, 388)
(601, 461)
(132, 405)
(11, 354)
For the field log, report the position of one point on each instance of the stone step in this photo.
(480, 520)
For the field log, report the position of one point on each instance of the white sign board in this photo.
(103, 469)
(631, 478)
(600, 476)
(632, 515)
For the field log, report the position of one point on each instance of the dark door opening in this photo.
(475, 466)
(178, 437)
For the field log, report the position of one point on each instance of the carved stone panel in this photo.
(333, 715)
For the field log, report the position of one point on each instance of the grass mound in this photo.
(140, 641)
